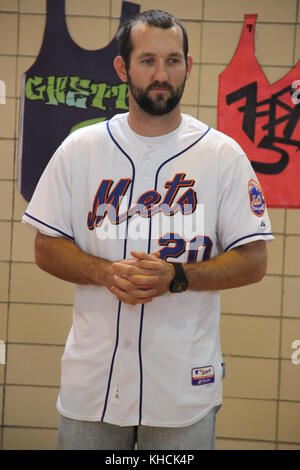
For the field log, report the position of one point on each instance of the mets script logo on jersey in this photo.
(257, 200)
(203, 375)
(107, 201)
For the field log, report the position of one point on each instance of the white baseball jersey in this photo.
(190, 194)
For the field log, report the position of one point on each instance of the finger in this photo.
(156, 253)
(141, 255)
(128, 299)
(140, 289)
(144, 281)
(125, 269)
(154, 264)
(141, 294)
(121, 296)
(126, 261)
(123, 284)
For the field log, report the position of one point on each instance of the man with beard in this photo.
(142, 364)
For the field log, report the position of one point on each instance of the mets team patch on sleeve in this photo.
(203, 375)
(256, 197)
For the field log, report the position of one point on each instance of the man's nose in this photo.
(160, 73)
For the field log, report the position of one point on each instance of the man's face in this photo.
(157, 72)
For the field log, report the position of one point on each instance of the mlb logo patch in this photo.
(256, 197)
(203, 375)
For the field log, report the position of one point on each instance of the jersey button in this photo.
(146, 177)
(147, 159)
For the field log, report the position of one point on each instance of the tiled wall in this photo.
(259, 323)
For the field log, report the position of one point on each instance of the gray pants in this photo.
(91, 435)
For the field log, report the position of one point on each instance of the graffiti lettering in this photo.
(281, 123)
(75, 92)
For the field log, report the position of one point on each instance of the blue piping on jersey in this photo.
(141, 363)
(178, 154)
(49, 226)
(247, 236)
(159, 168)
(124, 256)
(149, 243)
(112, 362)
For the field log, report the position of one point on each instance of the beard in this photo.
(160, 105)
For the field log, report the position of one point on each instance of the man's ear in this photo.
(120, 68)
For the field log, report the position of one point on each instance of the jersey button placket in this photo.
(148, 170)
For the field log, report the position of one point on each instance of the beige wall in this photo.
(262, 389)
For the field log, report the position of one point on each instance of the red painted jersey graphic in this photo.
(264, 119)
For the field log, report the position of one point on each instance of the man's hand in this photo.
(65, 260)
(139, 280)
(145, 276)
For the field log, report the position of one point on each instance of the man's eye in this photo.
(147, 61)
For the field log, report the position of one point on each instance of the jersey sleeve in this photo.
(50, 209)
(242, 214)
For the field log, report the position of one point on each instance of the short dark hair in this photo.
(159, 19)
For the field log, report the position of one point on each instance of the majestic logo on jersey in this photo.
(257, 200)
(108, 198)
(203, 375)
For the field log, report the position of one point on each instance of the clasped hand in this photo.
(140, 279)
